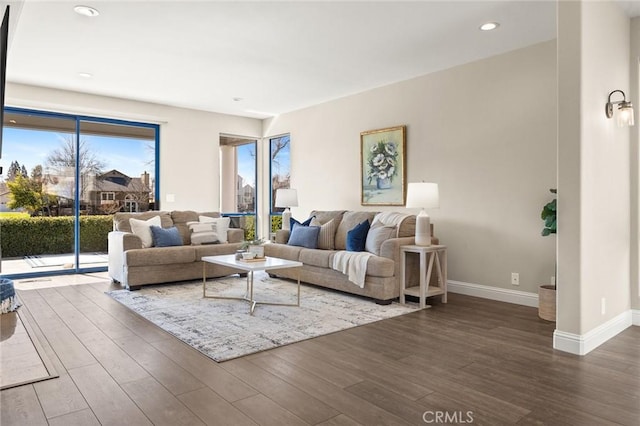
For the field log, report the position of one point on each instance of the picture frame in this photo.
(382, 166)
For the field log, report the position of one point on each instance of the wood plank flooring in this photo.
(473, 360)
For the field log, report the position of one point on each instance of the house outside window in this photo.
(107, 197)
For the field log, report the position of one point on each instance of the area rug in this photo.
(223, 329)
(24, 358)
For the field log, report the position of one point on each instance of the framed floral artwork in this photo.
(383, 157)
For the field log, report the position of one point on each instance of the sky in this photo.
(247, 163)
(31, 147)
(129, 156)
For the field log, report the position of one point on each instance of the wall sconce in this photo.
(625, 110)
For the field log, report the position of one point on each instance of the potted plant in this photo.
(547, 293)
(254, 246)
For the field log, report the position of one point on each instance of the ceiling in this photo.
(261, 58)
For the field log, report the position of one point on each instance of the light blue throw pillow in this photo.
(166, 237)
(357, 237)
(304, 236)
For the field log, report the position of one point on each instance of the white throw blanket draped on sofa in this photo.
(353, 264)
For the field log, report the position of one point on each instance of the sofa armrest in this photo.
(235, 235)
(282, 236)
(118, 243)
(391, 248)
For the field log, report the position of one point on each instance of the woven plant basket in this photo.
(547, 302)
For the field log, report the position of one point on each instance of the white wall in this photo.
(594, 167)
(189, 139)
(634, 60)
(485, 132)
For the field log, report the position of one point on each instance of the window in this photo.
(238, 182)
(85, 168)
(107, 197)
(280, 171)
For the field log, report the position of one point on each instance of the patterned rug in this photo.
(223, 329)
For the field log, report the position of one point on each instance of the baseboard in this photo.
(585, 343)
(493, 293)
(635, 316)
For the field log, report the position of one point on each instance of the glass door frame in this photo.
(77, 269)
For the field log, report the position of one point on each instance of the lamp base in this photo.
(423, 229)
(286, 219)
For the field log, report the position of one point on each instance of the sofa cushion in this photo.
(166, 237)
(325, 216)
(304, 236)
(283, 251)
(321, 258)
(160, 256)
(377, 235)
(357, 237)
(327, 234)
(142, 228)
(121, 220)
(215, 250)
(349, 220)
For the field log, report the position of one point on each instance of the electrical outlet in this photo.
(603, 306)
(553, 281)
(515, 278)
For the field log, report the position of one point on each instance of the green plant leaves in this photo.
(548, 214)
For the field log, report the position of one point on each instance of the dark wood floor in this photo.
(472, 361)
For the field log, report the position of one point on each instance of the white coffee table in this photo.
(266, 264)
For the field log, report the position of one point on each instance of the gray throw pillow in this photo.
(378, 235)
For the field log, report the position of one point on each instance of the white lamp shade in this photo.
(625, 116)
(286, 198)
(423, 195)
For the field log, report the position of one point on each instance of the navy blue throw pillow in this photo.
(293, 222)
(357, 237)
(166, 237)
(304, 236)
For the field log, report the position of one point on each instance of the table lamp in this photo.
(423, 195)
(286, 198)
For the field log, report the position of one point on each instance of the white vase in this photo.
(383, 183)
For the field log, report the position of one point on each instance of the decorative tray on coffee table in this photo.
(256, 259)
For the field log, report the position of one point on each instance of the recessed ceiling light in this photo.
(86, 11)
(85, 74)
(237, 99)
(489, 26)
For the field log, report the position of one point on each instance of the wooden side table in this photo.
(430, 257)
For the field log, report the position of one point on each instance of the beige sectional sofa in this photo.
(135, 266)
(382, 280)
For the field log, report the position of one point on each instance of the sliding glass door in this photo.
(64, 177)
